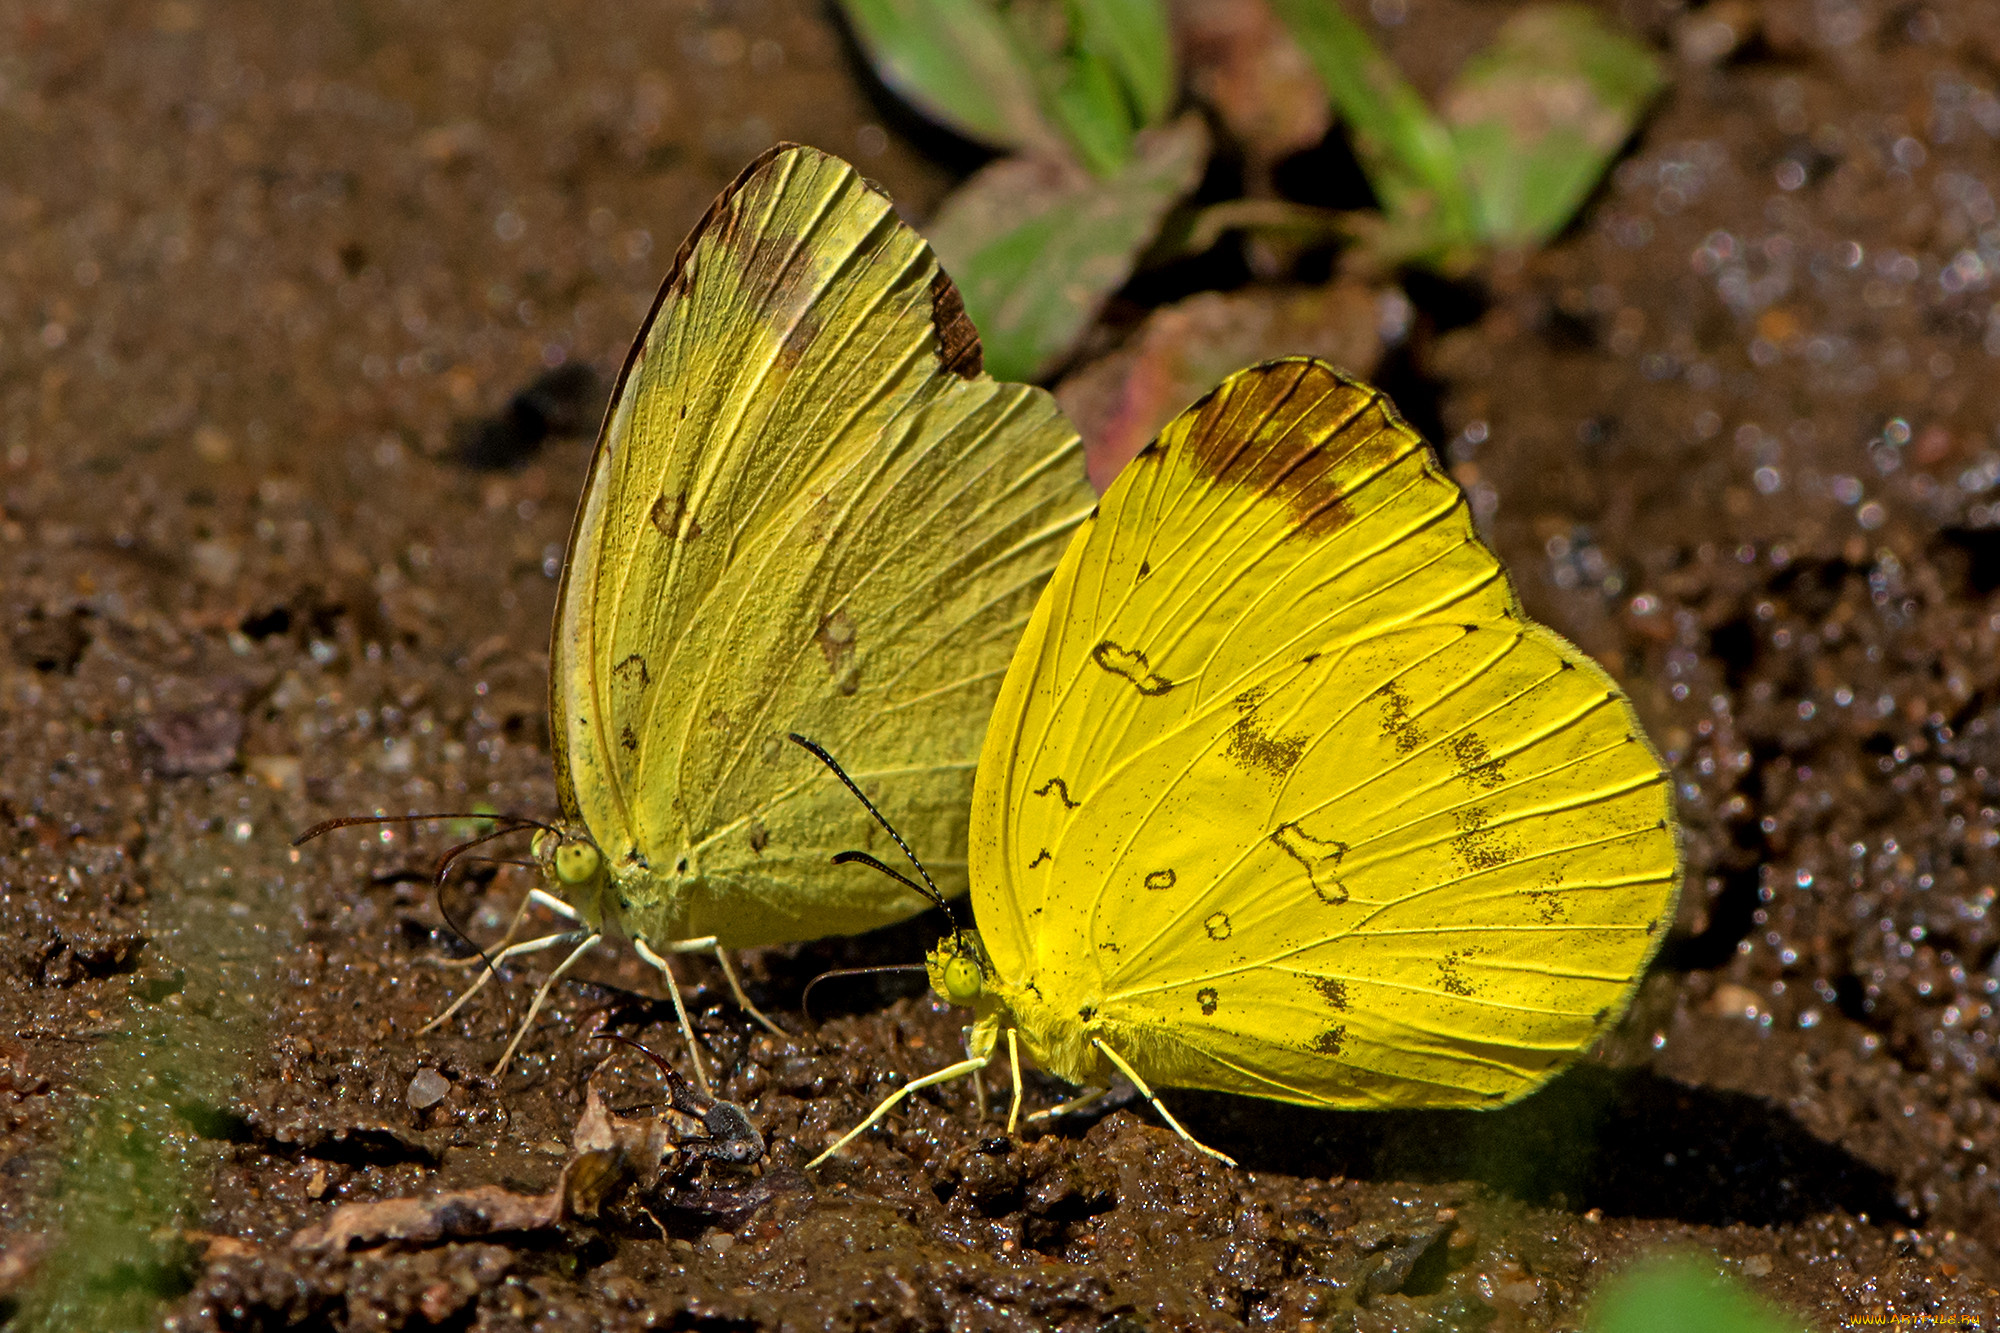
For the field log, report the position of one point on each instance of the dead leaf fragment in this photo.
(1184, 350)
(455, 1214)
(1243, 62)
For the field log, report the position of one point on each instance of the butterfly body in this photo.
(809, 510)
(1285, 795)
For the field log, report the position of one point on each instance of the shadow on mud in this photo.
(1626, 1141)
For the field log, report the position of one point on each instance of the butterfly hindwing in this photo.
(1287, 795)
(809, 511)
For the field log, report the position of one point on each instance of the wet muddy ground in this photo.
(1735, 434)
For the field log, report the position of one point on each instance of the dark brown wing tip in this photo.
(1269, 426)
(721, 205)
(958, 348)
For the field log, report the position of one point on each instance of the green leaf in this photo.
(958, 63)
(1037, 245)
(1407, 153)
(1682, 1294)
(1091, 108)
(1540, 113)
(1134, 38)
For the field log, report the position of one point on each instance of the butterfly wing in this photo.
(808, 511)
(1285, 795)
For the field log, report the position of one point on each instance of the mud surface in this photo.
(1735, 434)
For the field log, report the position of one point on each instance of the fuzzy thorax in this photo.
(1057, 1041)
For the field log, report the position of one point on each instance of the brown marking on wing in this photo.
(1547, 899)
(760, 837)
(666, 516)
(1476, 846)
(1333, 990)
(1207, 998)
(1160, 879)
(1450, 979)
(1320, 857)
(1403, 733)
(1332, 1040)
(632, 671)
(1476, 763)
(1132, 665)
(836, 640)
(1061, 789)
(1250, 746)
(1301, 433)
(1217, 925)
(958, 347)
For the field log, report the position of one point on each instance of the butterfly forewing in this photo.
(1299, 802)
(809, 512)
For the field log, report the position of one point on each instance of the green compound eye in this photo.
(577, 862)
(962, 981)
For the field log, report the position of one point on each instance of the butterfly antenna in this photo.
(805, 998)
(327, 826)
(486, 959)
(929, 888)
(444, 862)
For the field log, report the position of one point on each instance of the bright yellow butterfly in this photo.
(1284, 794)
(809, 510)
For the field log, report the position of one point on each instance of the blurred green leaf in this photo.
(1051, 78)
(1682, 1294)
(1408, 154)
(1540, 113)
(1036, 246)
(1134, 38)
(1091, 107)
(961, 65)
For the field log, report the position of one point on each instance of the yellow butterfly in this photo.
(809, 509)
(1284, 794)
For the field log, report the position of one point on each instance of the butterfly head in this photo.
(571, 862)
(958, 968)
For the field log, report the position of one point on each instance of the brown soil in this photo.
(1730, 434)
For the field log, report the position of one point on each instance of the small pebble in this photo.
(427, 1089)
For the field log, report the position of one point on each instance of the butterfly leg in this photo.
(1074, 1106)
(511, 951)
(1165, 1114)
(588, 942)
(969, 1065)
(736, 988)
(546, 899)
(645, 951)
(1014, 1062)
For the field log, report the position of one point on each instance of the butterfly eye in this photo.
(577, 862)
(962, 980)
